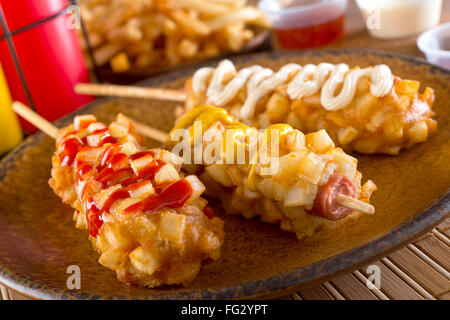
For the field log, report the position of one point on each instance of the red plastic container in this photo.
(41, 56)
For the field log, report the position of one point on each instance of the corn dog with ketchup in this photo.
(366, 110)
(304, 194)
(148, 222)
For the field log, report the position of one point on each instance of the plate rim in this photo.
(272, 286)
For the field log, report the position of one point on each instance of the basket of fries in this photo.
(129, 40)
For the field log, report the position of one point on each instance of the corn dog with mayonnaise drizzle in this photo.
(368, 110)
(148, 222)
(302, 194)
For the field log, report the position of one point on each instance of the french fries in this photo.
(139, 34)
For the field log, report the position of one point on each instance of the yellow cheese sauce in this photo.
(210, 115)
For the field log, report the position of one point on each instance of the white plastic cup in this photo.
(390, 19)
(435, 44)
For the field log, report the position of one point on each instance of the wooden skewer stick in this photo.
(157, 135)
(150, 132)
(354, 204)
(129, 92)
(35, 119)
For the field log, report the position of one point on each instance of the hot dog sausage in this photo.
(325, 204)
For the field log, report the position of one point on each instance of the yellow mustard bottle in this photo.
(10, 131)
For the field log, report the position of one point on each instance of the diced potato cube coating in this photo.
(313, 100)
(239, 203)
(272, 189)
(169, 157)
(121, 205)
(271, 214)
(200, 203)
(167, 173)
(393, 130)
(144, 229)
(81, 121)
(89, 188)
(302, 195)
(235, 174)
(263, 120)
(403, 102)
(294, 120)
(377, 119)
(345, 164)
(363, 84)
(197, 187)
(141, 163)
(129, 148)
(249, 194)
(289, 166)
(428, 95)
(312, 167)
(294, 140)
(144, 189)
(113, 259)
(118, 130)
(393, 150)
(81, 221)
(364, 103)
(366, 146)
(218, 172)
(367, 189)
(172, 227)
(144, 260)
(319, 141)
(89, 155)
(347, 135)
(418, 132)
(277, 107)
(101, 197)
(407, 87)
(95, 139)
(95, 126)
(114, 236)
(123, 120)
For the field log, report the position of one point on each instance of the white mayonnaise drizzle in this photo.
(200, 77)
(301, 87)
(306, 81)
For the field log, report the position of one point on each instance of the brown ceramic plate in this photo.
(38, 240)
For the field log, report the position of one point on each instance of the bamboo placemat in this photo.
(419, 271)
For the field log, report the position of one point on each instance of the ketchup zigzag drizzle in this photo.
(115, 168)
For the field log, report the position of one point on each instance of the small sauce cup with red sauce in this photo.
(303, 24)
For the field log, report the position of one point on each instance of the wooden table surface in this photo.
(420, 270)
